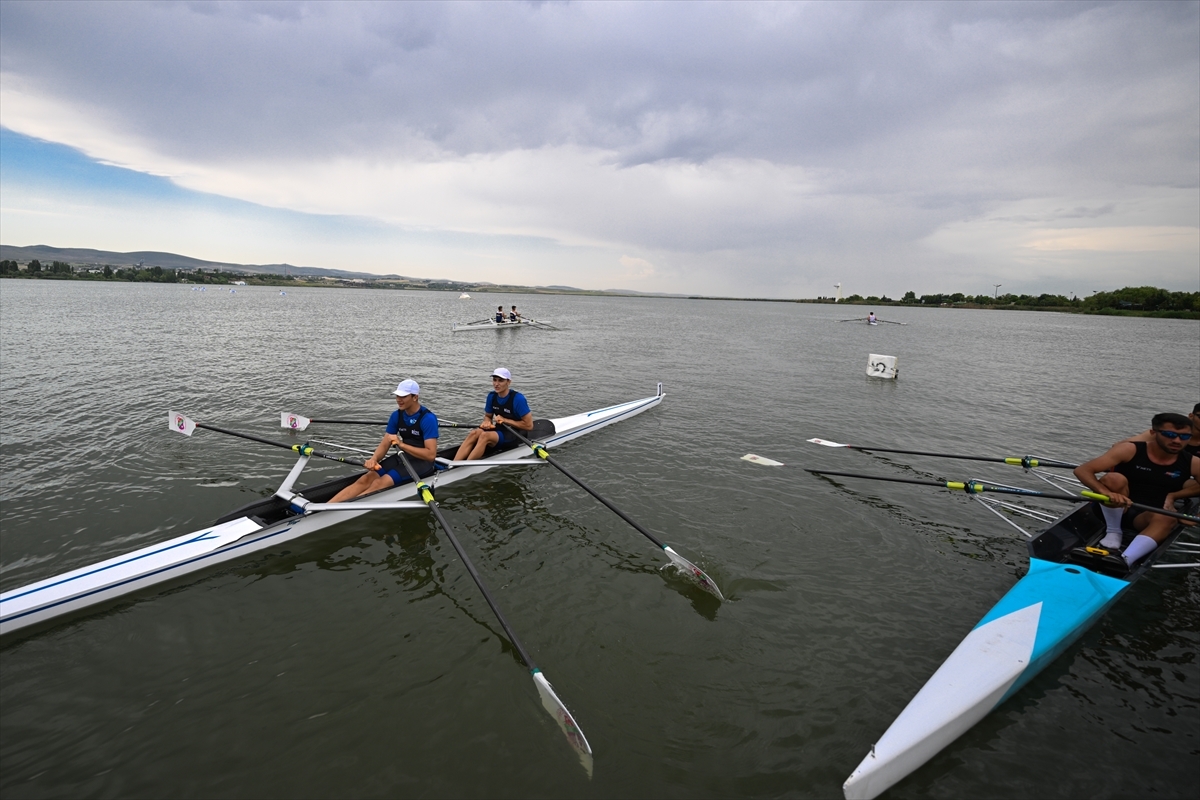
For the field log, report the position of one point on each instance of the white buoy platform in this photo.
(883, 367)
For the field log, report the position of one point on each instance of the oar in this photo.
(181, 424)
(889, 322)
(546, 325)
(856, 319)
(978, 487)
(298, 422)
(1028, 462)
(679, 561)
(550, 700)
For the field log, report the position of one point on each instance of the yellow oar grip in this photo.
(303, 449)
(1103, 498)
(540, 452)
(425, 492)
(971, 487)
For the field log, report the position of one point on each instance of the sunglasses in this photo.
(1183, 437)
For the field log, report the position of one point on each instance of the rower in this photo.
(499, 314)
(1153, 473)
(870, 317)
(414, 429)
(511, 407)
(514, 315)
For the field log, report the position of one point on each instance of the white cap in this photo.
(406, 387)
(501, 372)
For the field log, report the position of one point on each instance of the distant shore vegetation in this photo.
(1142, 301)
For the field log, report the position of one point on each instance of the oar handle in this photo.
(426, 494)
(540, 451)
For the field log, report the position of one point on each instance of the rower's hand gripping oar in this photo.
(550, 700)
(182, 424)
(706, 583)
(978, 487)
(1028, 462)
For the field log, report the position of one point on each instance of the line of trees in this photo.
(154, 274)
(1131, 298)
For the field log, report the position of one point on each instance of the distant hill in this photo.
(80, 256)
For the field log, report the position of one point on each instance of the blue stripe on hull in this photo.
(1072, 598)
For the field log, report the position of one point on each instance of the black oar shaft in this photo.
(441, 423)
(976, 487)
(541, 452)
(301, 449)
(427, 495)
(1041, 462)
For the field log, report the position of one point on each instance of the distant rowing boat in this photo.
(492, 325)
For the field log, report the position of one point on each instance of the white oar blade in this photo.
(766, 462)
(293, 422)
(706, 583)
(827, 443)
(566, 722)
(180, 424)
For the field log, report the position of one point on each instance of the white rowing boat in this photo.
(285, 516)
(492, 325)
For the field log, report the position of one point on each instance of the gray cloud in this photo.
(908, 117)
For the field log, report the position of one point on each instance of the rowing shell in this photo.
(1064, 593)
(265, 523)
(492, 325)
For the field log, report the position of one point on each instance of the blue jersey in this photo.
(416, 429)
(515, 406)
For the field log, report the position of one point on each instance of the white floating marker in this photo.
(293, 422)
(883, 367)
(180, 424)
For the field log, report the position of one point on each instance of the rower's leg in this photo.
(486, 438)
(1152, 530)
(1114, 482)
(354, 489)
(464, 449)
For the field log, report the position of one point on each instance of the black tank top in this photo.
(503, 407)
(411, 434)
(1150, 483)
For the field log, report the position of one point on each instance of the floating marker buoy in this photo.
(882, 367)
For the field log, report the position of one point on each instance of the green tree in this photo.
(108, 273)
(35, 267)
(909, 297)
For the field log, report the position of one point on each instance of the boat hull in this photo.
(496, 326)
(1065, 592)
(241, 534)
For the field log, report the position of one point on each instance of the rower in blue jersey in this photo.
(499, 314)
(502, 405)
(414, 429)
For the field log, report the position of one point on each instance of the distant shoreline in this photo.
(228, 279)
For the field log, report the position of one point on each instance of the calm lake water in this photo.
(362, 661)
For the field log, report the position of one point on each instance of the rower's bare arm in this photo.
(1117, 454)
(525, 423)
(428, 452)
(487, 423)
(385, 444)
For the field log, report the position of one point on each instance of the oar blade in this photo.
(826, 443)
(180, 424)
(766, 462)
(293, 422)
(555, 708)
(683, 565)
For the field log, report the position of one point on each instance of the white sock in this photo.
(1138, 549)
(1112, 518)
(1111, 540)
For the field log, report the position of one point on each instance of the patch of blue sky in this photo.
(53, 169)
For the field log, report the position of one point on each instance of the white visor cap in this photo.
(501, 372)
(406, 387)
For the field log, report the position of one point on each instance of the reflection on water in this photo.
(362, 660)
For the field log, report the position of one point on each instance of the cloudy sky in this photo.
(764, 150)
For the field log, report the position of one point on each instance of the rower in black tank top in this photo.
(1150, 483)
